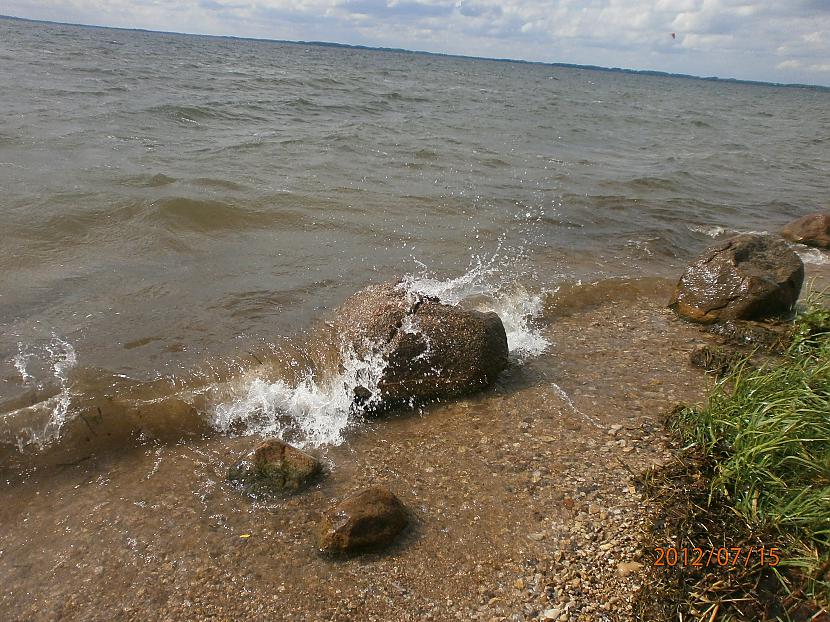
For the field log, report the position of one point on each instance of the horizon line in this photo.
(645, 72)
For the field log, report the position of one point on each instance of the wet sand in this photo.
(522, 499)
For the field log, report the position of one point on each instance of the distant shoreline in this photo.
(643, 72)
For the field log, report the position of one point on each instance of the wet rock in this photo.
(716, 359)
(431, 350)
(368, 520)
(746, 277)
(766, 336)
(812, 230)
(274, 468)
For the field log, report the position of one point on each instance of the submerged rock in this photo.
(366, 521)
(429, 349)
(717, 359)
(273, 468)
(746, 277)
(768, 337)
(812, 230)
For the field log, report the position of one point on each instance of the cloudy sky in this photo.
(776, 40)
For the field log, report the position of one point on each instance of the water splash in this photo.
(54, 361)
(484, 287)
(310, 413)
(19, 362)
(315, 411)
(808, 255)
(717, 231)
(812, 256)
(711, 231)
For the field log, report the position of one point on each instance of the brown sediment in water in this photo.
(116, 413)
(522, 498)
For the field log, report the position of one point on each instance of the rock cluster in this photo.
(366, 521)
(429, 350)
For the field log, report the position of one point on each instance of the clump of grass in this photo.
(757, 470)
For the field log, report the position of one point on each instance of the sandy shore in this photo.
(523, 501)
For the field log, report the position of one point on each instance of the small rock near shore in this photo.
(716, 359)
(274, 467)
(746, 277)
(368, 520)
(812, 230)
(766, 336)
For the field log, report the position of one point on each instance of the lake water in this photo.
(170, 203)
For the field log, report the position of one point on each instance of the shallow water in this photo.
(155, 532)
(176, 209)
(181, 214)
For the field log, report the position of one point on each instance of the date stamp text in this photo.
(722, 556)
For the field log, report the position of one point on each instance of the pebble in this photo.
(626, 568)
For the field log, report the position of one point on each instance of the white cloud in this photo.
(753, 39)
(789, 64)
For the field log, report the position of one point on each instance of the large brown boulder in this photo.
(812, 230)
(368, 520)
(274, 468)
(746, 277)
(429, 349)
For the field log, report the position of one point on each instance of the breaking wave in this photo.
(716, 231)
(286, 396)
(44, 367)
(310, 413)
(315, 411)
(812, 256)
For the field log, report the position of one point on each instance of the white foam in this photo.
(712, 232)
(476, 281)
(57, 358)
(717, 231)
(518, 309)
(520, 314)
(311, 413)
(812, 256)
(316, 412)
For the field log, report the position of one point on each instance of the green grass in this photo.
(756, 469)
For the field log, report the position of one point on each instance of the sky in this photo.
(768, 40)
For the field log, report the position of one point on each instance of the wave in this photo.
(181, 214)
(301, 390)
(571, 297)
(812, 256)
(309, 413)
(717, 231)
(158, 180)
(320, 411)
(40, 366)
(480, 288)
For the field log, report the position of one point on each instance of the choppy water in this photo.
(168, 202)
